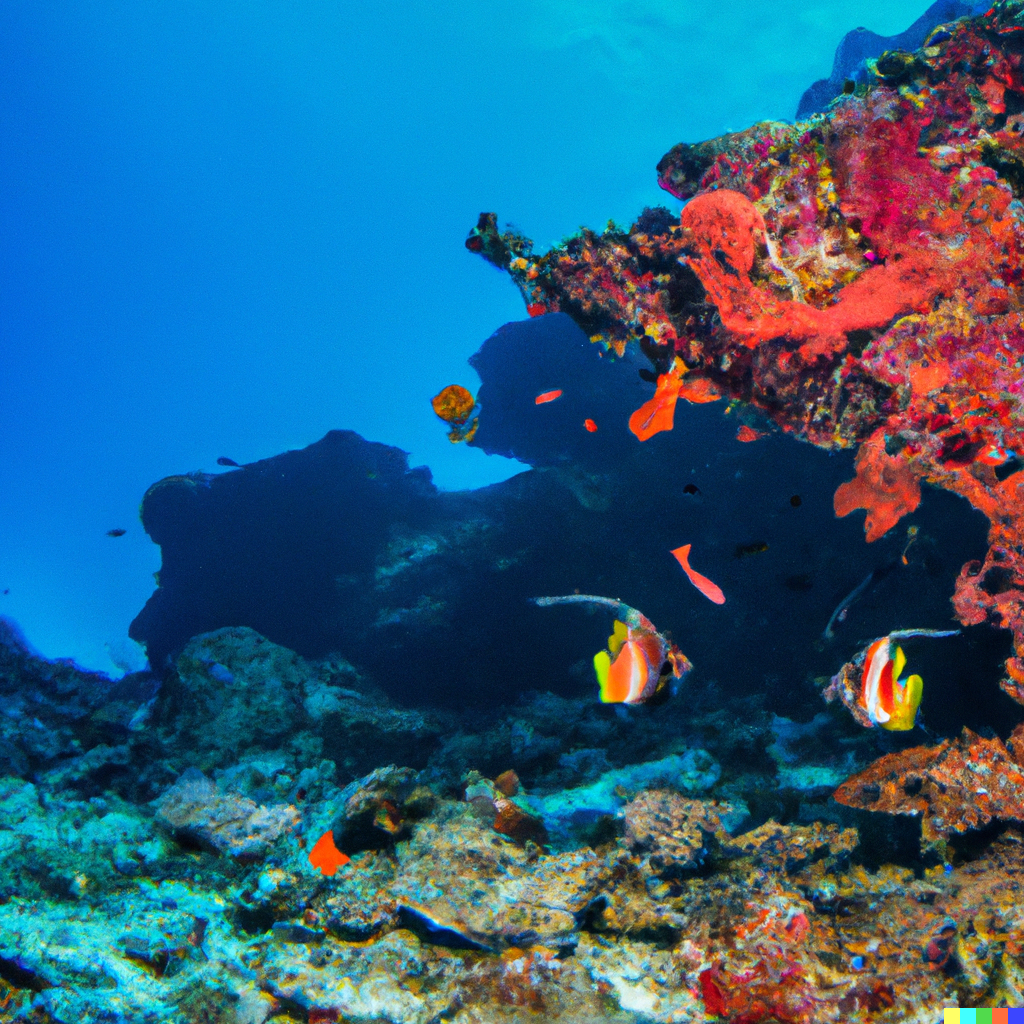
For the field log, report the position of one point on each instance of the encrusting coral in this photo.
(856, 277)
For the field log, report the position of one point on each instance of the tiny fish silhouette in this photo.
(225, 461)
(710, 590)
(758, 547)
(796, 501)
(691, 489)
(118, 532)
(547, 396)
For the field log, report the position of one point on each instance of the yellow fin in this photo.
(602, 663)
(906, 700)
(899, 663)
(620, 633)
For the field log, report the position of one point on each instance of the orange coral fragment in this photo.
(454, 404)
(928, 378)
(699, 390)
(658, 413)
(325, 856)
(884, 485)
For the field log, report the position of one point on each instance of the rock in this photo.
(856, 47)
(459, 878)
(360, 903)
(236, 695)
(572, 813)
(787, 848)
(54, 713)
(376, 810)
(397, 978)
(196, 808)
(70, 848)
(670, 833)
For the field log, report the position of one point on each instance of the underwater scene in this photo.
(711, 709)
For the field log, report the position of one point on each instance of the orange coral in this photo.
(884, 485)
(658, 413)
(455, 405)
(724, 228)
(957, 786)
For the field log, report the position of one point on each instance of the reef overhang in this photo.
(856, 277)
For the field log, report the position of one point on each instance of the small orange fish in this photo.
(547, 396)
(747, 434)
(325, 856)
(710, 590)
(590, 425)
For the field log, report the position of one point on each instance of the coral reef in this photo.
(457, 922)
(855, 278)
(856, 48)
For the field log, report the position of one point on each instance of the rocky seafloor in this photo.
(520, 865)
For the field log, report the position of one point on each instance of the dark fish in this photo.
(7, 591)
(691, 489)
(796, 501)
(756, 548)
(225, 461)
(118, 532)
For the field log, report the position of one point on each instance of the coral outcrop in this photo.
(856, 278)
(957, 786)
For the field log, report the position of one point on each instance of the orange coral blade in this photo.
(659, 412)
(325, 856)
(710, 590)
(747, 434)
(547, 396)
(884, 485)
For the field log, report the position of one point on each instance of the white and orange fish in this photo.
(639, 660)
(889, 701)
(870, 685)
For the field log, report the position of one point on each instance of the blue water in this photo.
(230, 228)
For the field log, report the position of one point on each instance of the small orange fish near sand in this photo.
(710, 590)
(547, 396)
(325, 856)
(747, 434)
(590, 425)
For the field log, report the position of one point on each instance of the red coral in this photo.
(857, 276)
(884, 485)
